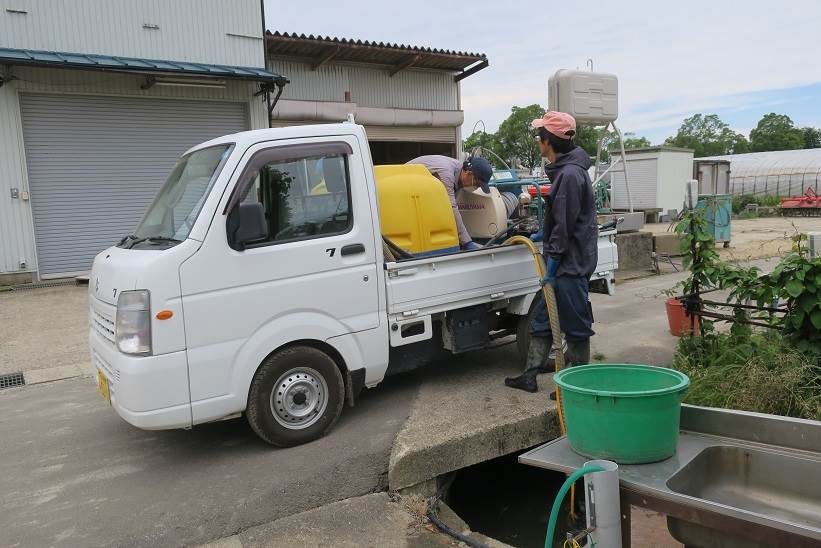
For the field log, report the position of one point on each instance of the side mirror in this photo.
(248, 223)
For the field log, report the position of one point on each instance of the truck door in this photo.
(310, 274)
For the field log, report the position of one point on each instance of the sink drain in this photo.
(10, 380)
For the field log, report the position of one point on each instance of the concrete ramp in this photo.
(464, 415)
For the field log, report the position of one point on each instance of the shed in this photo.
(407, 97)
(658, 178)
(97, 102)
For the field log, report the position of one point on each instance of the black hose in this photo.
(433, 516)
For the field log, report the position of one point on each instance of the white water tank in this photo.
(590, 97)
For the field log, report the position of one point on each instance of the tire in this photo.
(296, 396)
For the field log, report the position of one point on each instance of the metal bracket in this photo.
(591, 501)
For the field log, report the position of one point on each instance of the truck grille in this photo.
(102, 325)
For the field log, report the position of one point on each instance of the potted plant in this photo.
(699, 255)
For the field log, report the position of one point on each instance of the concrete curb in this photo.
(466, 416)
(411, 464)
(50, 374)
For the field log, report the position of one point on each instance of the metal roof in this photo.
(58, 59)
(660, 148)
(773, 163)
(322, 49)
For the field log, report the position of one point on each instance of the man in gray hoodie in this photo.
(570, 235)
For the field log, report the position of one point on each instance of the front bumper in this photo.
(148, 392)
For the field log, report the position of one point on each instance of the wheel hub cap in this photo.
(299, 398)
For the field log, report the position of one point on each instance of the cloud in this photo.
(672, 59)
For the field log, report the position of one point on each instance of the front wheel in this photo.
(296, 396)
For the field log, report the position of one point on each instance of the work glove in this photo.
(552, 269)
(470, 246)
(537, 236)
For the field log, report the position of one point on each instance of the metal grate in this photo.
(41, 285)
(10, 380)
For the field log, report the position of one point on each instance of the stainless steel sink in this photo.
(772, 484)
(761, 472)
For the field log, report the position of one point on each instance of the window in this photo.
(302, 198)
(174, 210)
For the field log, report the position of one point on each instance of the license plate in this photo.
(102, 387)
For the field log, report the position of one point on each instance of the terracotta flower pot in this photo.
(677, 318)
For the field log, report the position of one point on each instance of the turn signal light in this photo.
(164, 314)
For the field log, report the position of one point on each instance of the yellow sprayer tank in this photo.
(414, 210)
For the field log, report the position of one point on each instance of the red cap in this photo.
(560, 124)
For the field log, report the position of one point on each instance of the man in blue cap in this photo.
(454, 175)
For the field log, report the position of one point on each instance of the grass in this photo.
(750, 372)
(762, 200)
(599, 357)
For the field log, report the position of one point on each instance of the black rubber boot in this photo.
(526, 381)
(534, 364)
(578, 353)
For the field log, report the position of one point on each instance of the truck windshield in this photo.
(171, 215)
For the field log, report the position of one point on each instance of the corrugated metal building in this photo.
(407, 97)
(98, 98)
(779, 172)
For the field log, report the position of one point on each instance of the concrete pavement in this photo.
(45, 330)
(72, 473)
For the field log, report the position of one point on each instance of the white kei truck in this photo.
(241, 291)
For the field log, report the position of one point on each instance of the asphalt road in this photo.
(72, 473)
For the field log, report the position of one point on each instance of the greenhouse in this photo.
(779, 173)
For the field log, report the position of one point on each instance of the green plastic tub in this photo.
(625, 413)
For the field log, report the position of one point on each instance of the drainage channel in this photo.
(12, 380)
(509, 502)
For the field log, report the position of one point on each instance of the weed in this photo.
(599, 357)
(751, 372)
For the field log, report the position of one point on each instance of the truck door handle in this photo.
(352, 249)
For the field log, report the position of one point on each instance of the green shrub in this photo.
(751, 372)
(740, 201)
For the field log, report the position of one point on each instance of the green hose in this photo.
(557, 503)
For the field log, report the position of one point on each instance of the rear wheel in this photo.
(296, 396)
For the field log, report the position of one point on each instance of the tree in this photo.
(776, 132)
(812, 137)
(587, 137)
(486, 141)
(631, 141)
(708, 135)
(516, 138)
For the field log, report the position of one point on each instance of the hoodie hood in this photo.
(577, 157)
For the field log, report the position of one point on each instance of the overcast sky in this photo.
(739, 59)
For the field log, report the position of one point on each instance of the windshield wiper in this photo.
(153, 239)
(126, 238)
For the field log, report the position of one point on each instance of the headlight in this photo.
(133, 329)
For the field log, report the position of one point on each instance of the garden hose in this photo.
(553, 316)
(557, 502)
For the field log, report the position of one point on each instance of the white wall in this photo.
(16, 225)
(369, 86)
(657, 180)
(675, 169)
(225, 32)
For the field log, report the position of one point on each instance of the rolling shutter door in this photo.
(95, 164)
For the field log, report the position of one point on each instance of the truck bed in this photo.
(431, 285)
